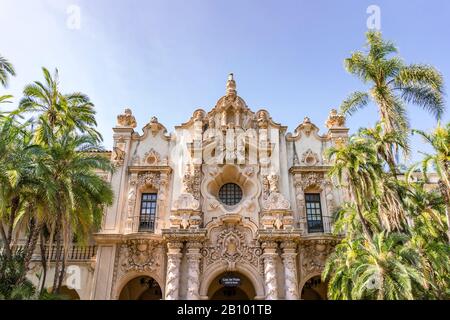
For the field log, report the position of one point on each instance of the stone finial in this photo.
(154, 119)
(231, 86)
(335, 120)
(126, 119)
(154, 124)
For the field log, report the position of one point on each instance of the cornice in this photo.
(113, 238)
(279, 235)
(305, 169)
(140, 169)
(181, 235)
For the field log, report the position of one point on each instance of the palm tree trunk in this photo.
(43, 260)
(447, 213)
(57, 262)
(7, 234)
(61, 274)
(446, 194)
(7, 247)
(12, 218)
(364, 223)
(31, 245)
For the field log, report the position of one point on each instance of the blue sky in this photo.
(168, 58)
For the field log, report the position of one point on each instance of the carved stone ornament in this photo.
(199, 115)
(231, 86)
(191, 181)
(126, 119)
(232, 246)
(262, 119)
(141, 255)
(152, 157)
(309, 179)
(186, 201)
(276, 201)
(314, 254)
(310, 158)
(154, 126)
(307, 126)
(118, 155)
(335, 120)
(149, 179)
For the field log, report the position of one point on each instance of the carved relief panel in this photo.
(233, 244)
(313, 256)
(144, 256)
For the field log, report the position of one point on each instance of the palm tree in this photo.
(25, 192)
(6, 70)
(439, 139)
(61, 111)
(383, 141)
(388, 269)
(393, 85)
(428, 238)
(356, 167)
(81, 194)
(14, 176)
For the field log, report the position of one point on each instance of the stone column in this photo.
(270, 278)
(132, 196)
(290, 270)
(193, 258)
(173, 270)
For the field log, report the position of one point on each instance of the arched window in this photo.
(230, 194)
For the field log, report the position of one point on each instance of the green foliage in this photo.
(393, 84)
(13, 284)
(395, 244)
(405, 254)
(48, 180)
(6, 70)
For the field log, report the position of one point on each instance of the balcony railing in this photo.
(324, 226)
(146, 225)
(76, 252)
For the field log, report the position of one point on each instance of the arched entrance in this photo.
(141, 288)
(69, 294)
(231, 286)
(314, 289)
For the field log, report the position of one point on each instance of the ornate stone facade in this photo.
(198, 233)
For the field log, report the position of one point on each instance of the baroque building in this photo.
(228, 206)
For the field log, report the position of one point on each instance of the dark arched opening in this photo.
(141, 288)
(231, 286)
(314, 289)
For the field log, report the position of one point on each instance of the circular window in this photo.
(230, 194)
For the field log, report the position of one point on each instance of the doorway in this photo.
(314, 289)
(141, 288)
(231, 286)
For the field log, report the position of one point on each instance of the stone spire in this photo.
(231, 86)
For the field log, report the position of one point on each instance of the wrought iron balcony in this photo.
(146, 225)
(322, 226)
